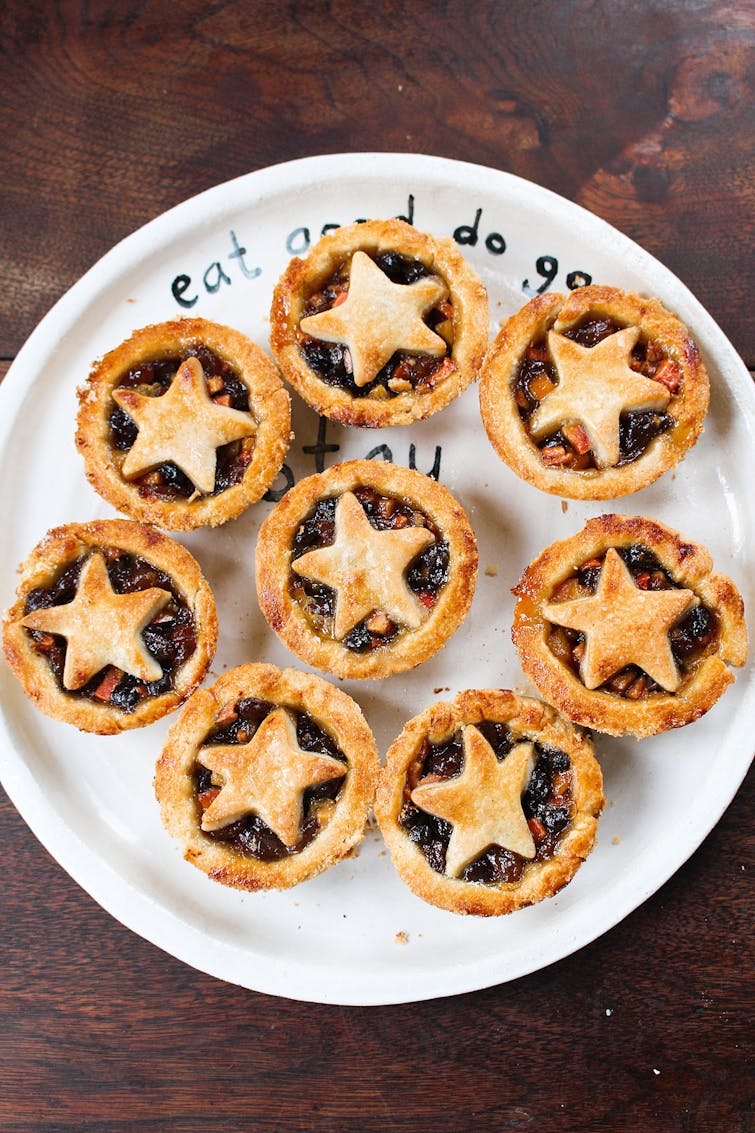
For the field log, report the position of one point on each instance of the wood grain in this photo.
(111, 113)
(100, 1031)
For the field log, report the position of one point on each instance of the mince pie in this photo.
(380, 325)
(267, 777)
(593, 395)
(625, 629)
(489, 803)
(113, 625)
(366, 569)
(184, 425)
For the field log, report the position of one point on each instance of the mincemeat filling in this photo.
(170, 637)
(690, 638)
(152, 379)
(427, 574)
(250, 835)
(569, 446)
(403, 372)
(547, 803)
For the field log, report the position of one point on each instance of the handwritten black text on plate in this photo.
(233, 265)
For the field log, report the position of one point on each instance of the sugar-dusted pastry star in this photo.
(183, 426)
(366, 568)
(379, 317)
(484, 803)
(624, 625)
(101, 627)
(596, 385)
(267, 777)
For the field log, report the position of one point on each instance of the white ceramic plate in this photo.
(90, 800)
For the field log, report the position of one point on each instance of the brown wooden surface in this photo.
(109, 114)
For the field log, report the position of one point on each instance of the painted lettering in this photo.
(238, 253)
(319, 449)
(468, 234)
(297, 241)
(179, 287)
(273, 494)
(381, 451)
(547, 267)
(434, 472)
(213, 277)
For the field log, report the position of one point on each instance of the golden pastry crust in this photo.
(528, 719)
(265, 447)
(63, 546)
(332, 710)
(690, 566)
(304, 277)
(552, 312)
(285, 613)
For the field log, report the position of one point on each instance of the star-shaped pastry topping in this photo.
(183, 425)
(366, 568)
(484, 803)
(596, 385)
(101, 627)
(624, 625)
(266, 777)
(379, 317)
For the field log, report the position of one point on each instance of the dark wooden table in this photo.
(112, 112)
